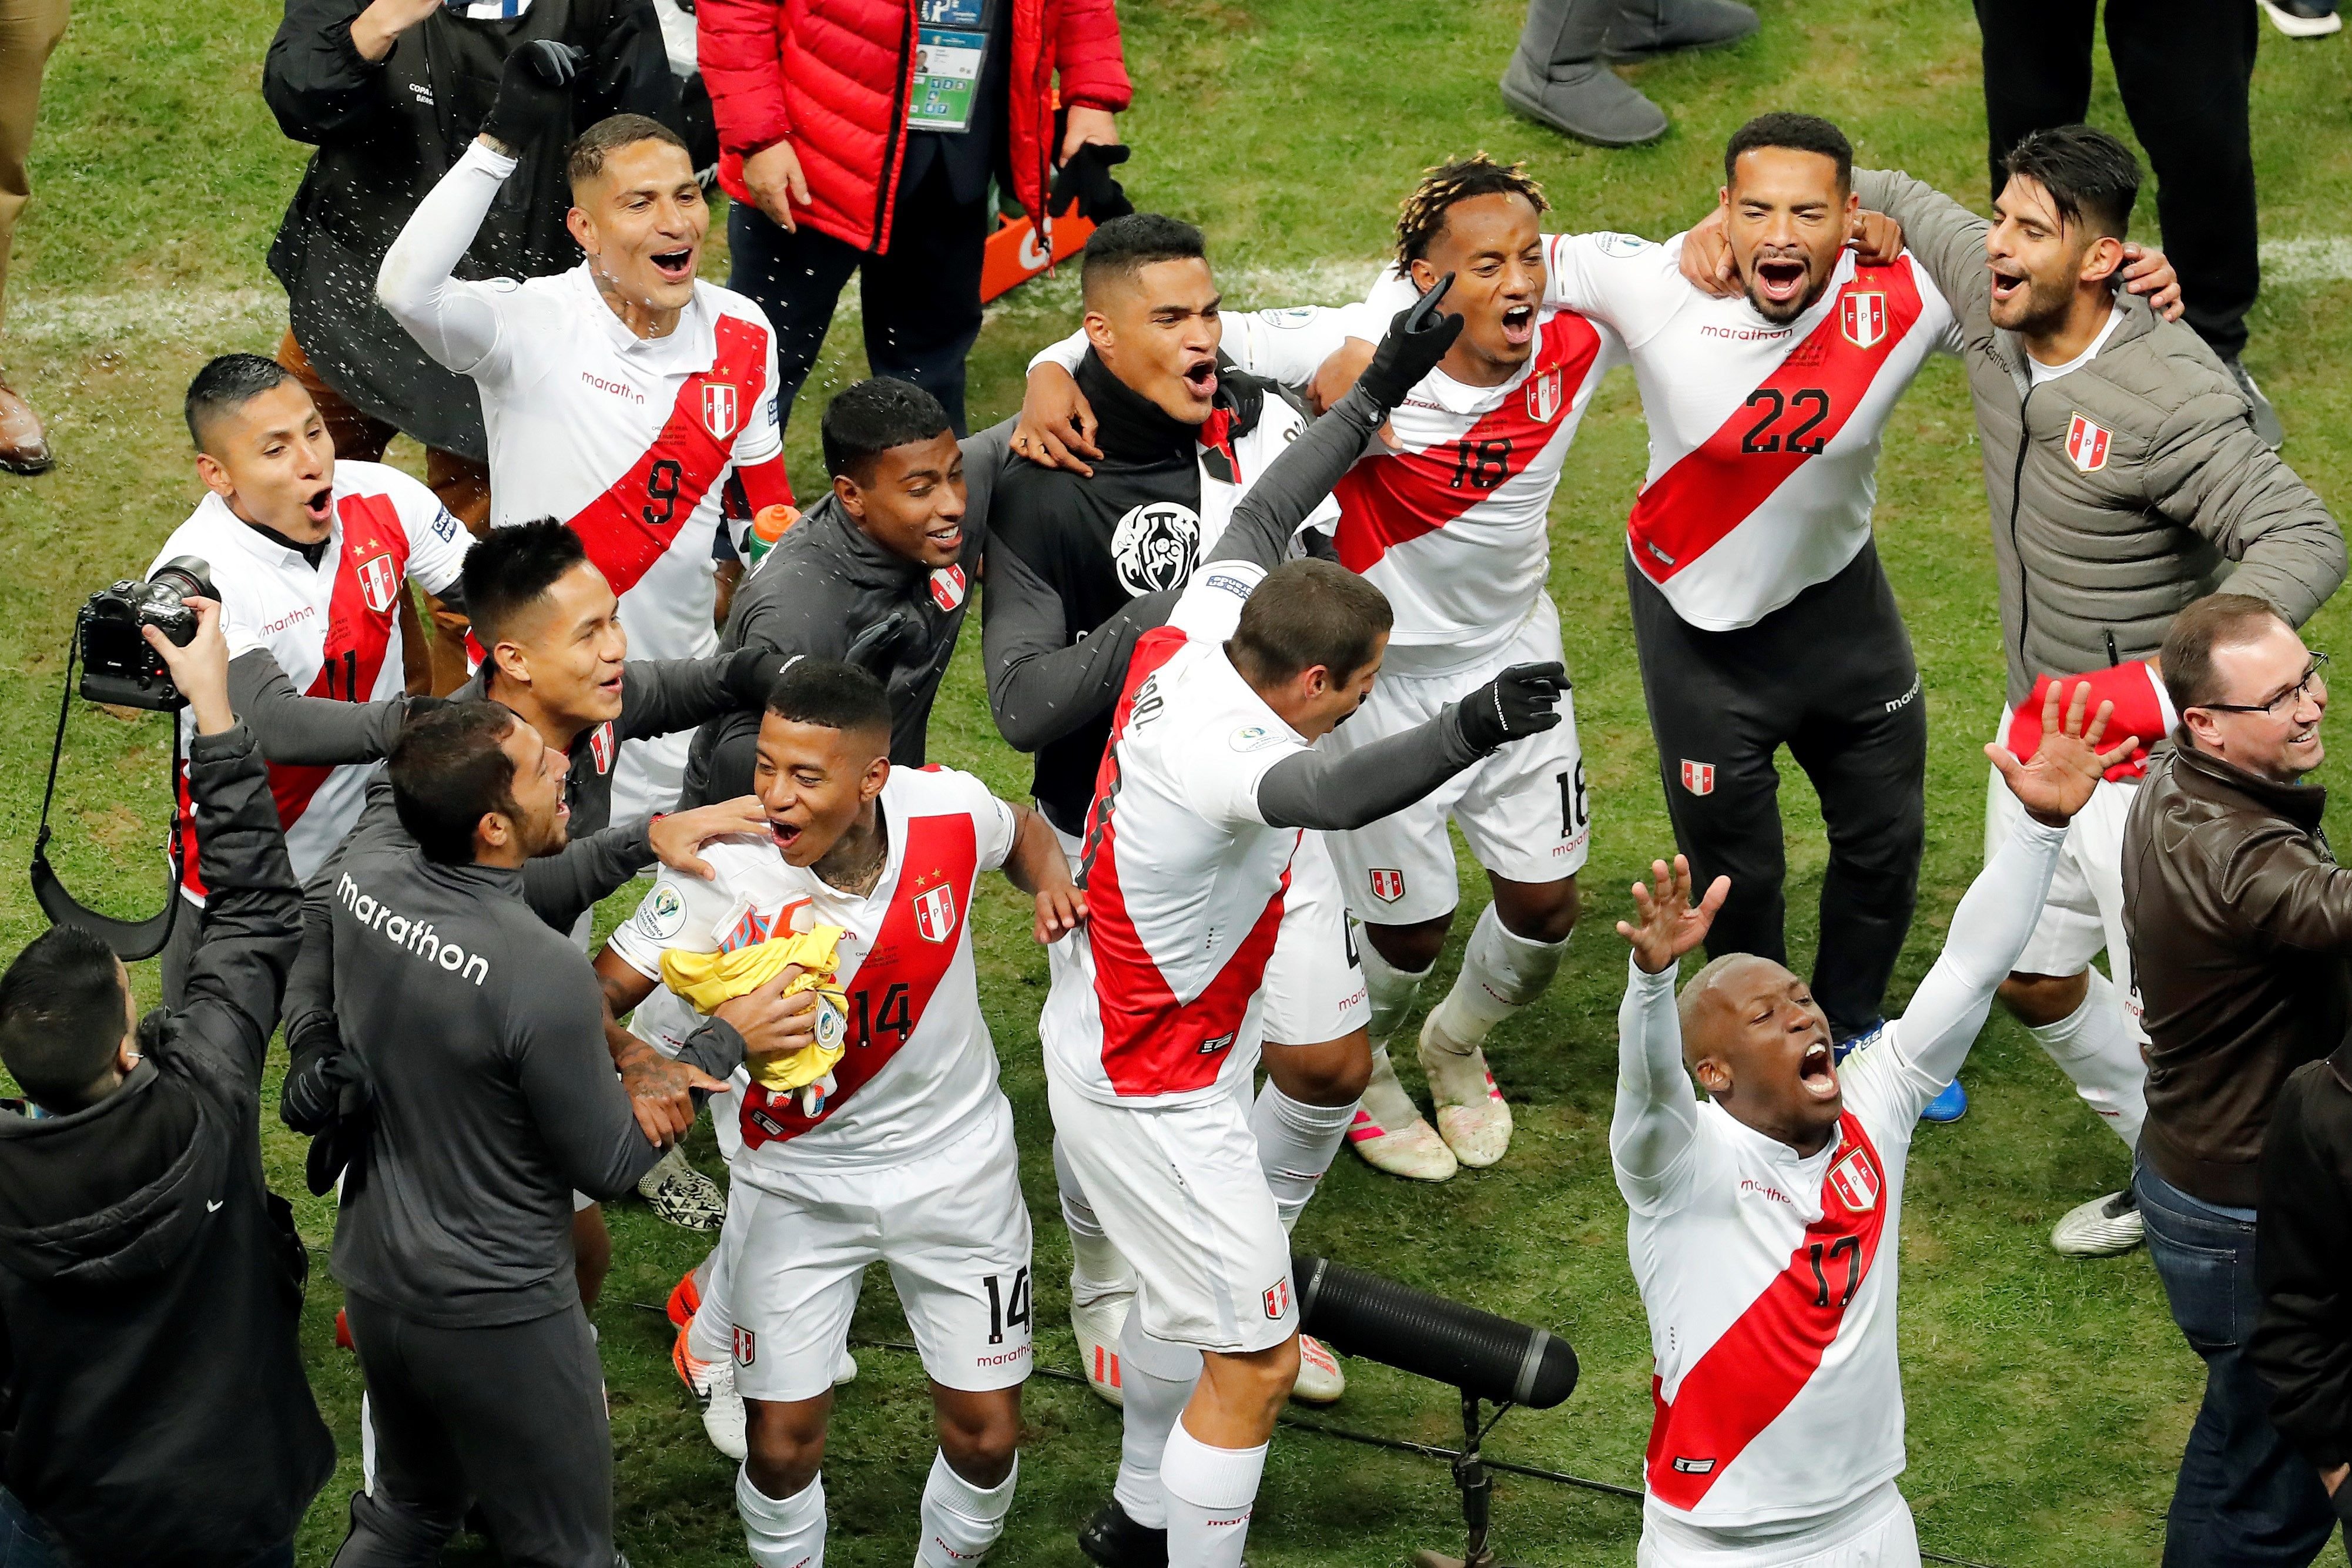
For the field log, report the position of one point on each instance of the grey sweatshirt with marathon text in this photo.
(483, 1030)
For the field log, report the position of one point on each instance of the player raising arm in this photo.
(1764, 1218)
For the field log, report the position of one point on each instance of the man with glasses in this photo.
(2242, 920)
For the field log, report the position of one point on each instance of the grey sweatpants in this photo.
(511, 1419)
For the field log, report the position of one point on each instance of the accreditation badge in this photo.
(950, 42)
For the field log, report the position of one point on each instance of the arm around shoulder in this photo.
(1945, 237)
(2209, 471)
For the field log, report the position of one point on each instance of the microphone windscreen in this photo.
(1361, 1314)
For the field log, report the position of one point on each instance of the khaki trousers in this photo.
(29, 30)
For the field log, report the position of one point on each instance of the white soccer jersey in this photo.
(1768, 1277)
(920, 1071)
(1161, 997)
(1763, 439)
(333, 629)
(1452, 523)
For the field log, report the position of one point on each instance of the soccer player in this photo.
(903, 1154)
(1766, 1216)
(1082, 560)
(621, 396)
(311, 558)
(1151, 1035)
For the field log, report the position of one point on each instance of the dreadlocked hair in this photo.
(1421, 217)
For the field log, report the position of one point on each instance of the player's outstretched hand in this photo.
(1056, 427)
(1705, 262)
(1417, 338)
(1061, 910)
(534, 97)
(2149, 273)
(772, 1024)
(678, 835)
(1522, 701)
(2068, 765)
(1665, 923)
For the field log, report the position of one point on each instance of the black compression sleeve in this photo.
(1331, 792)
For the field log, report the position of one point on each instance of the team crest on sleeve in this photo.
(718, 409)
(1862, 314)
(1698, 777)
(935, 912)
(379, 582)
(601, 747)
(2086, 445)
(1855, 1180)
(1388, 884)
(948, 587)
(1543, 394)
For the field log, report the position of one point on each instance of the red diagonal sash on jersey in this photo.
(358, 636)
(1748, 1375)
(1688, 510)
(1152, 1043)
(628, 527)
(1391, 501)
(894, 983)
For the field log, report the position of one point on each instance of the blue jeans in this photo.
(2245, 1499)
(24, 1543)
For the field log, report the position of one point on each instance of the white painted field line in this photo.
(170, 312)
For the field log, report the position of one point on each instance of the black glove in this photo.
(752, 674)
(1086, 180)
(1417, 338)
(1522, 701)
(534, 94)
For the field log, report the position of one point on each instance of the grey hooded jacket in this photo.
(2119, 492)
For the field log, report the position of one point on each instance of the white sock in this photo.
(961, 1520)
(711, 1336)
(782, 1534)
(1501, 973)
(1390, 990)
(1097, 1268)
(1211, 1492)
(1384, 1100)
(2093, 1046)
(1157, 1380)
(1295, 1143)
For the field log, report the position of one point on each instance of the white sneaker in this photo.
(1320, 1380)
(2100, 1228)
(1391, 1134)
(2302, 20)
(1097, 1323)
(1471, 1115)
(713, 1383)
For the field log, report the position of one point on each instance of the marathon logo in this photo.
(412, 936)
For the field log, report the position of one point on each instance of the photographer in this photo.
(151, 1285)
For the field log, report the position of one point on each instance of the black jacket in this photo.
(2302, 1343)
(827, 591)
(151, 1284)
(385, 133)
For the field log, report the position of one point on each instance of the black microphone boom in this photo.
(1493, 1358)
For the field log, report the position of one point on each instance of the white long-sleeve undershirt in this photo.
(456, 321)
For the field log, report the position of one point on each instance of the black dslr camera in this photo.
(117, 665)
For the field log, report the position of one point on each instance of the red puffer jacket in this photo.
(833, 77)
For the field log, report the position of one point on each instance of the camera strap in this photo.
(131, 940)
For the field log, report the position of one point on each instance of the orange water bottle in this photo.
(767, 525)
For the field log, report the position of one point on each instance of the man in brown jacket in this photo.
(2240, 921)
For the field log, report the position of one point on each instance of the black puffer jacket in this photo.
(386, 133)
(2302, 1343)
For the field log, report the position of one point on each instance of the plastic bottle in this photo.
(767, 527)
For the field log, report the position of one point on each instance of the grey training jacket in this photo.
(2168, 484)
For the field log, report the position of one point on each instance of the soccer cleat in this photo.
(2100, 1228)
(2303, 19)
(1320, 1380)
(713, 1383)
(682, 1195)
(1392, 1136)
(1096, 1322)
(1948, 1106)
(1471, 1115)
(1115, 1540)
(685, 1298)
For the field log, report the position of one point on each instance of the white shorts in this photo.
(2084, 913)
(1313, 982)
(1180, 1194)
(1875, 1531)
(951, 1226)
(1523, 811)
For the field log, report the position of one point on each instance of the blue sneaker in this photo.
(1948, 1106)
